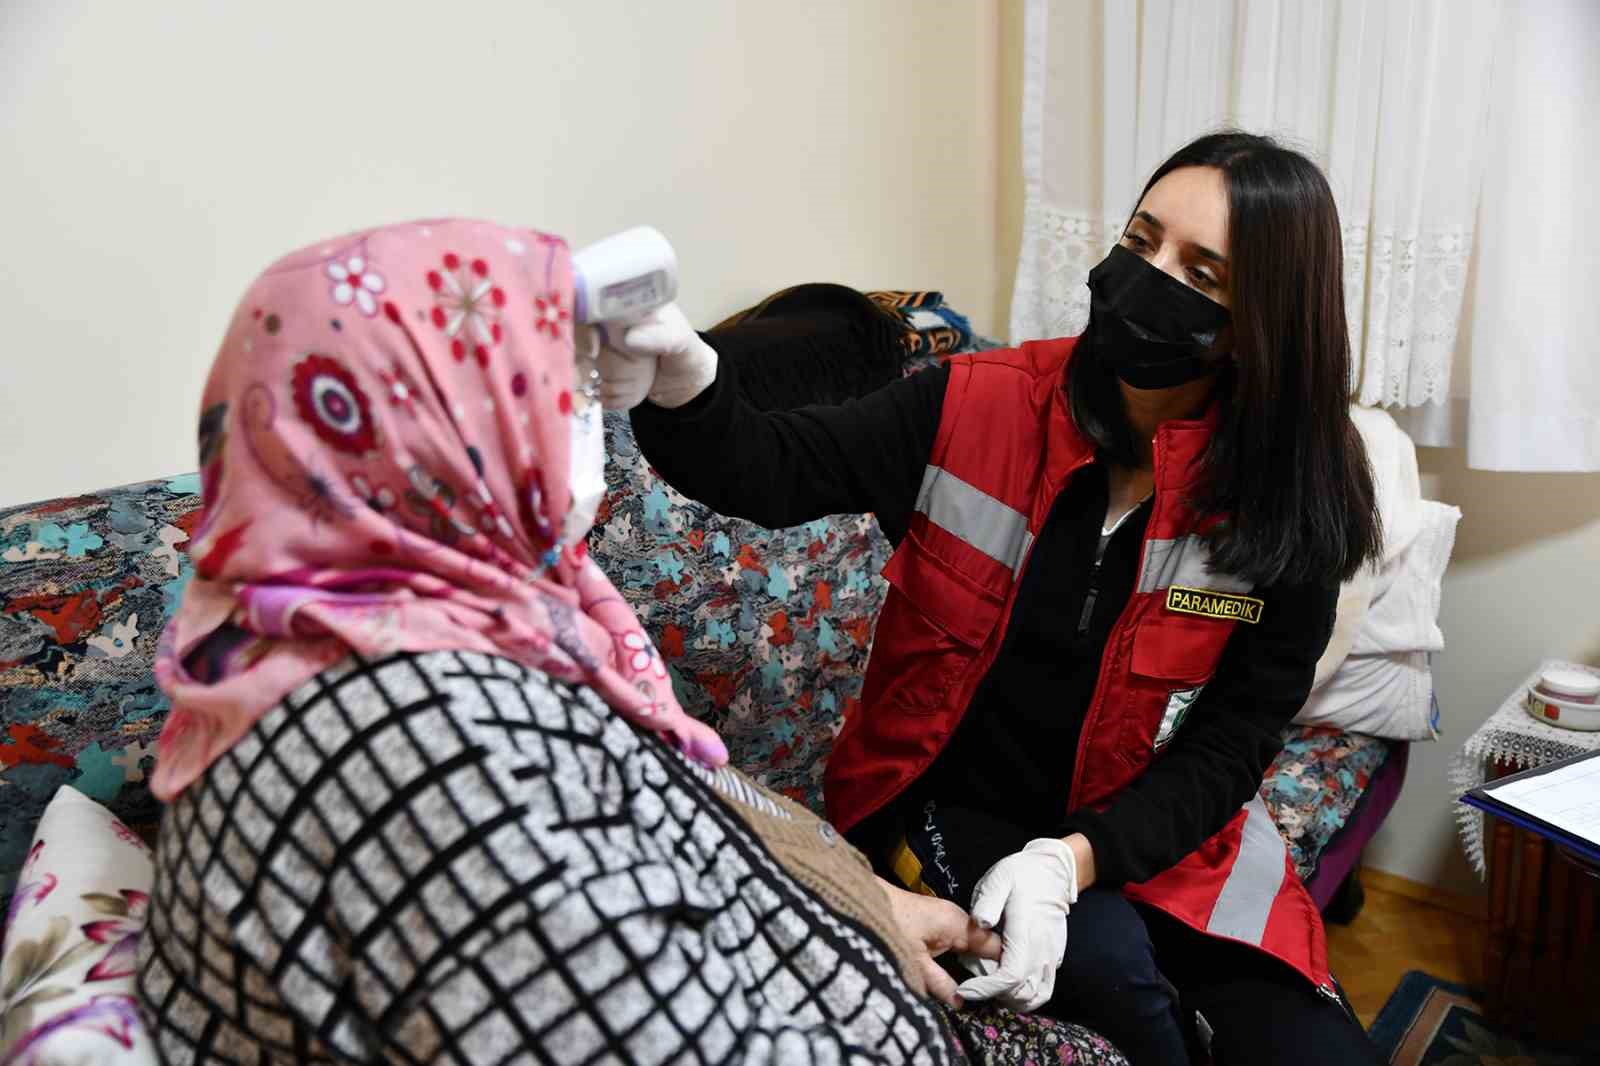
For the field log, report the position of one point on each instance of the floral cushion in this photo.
(86, 583)
(1314, 785)
(72, 930)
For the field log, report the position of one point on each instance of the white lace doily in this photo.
(1515, 737)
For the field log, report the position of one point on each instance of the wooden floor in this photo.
(1396, 932)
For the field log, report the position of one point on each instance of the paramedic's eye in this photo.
(1203, 280)
(1136, 242)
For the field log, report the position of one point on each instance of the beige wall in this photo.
(156, 157)
(1008, 161)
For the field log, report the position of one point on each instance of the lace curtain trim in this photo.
(1058, 251)
(1514, 737)
(1410, 307)
(1403, 295)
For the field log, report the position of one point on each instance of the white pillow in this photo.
(1383, 686)
(1398, 488)
(1394, 475)
(1355, 596)
(1382, 695)
(1404, 612)
(67, 970)
(1373, 676)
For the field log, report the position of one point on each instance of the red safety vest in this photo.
(1006, 448)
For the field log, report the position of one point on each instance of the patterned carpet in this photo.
(1429, 1022)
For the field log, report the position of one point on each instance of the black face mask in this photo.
(1152, 330)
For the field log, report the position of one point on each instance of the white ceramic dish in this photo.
(1564, 714)
(1569, 683)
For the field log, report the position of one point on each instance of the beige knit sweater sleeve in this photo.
(814, 853)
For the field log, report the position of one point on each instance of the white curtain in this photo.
(1393, 98)
(1526, 392)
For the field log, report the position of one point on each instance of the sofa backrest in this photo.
(766, 632)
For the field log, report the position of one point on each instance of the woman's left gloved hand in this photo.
(1028, 895)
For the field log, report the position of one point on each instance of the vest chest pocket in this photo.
(932, 627)
(1172, 660)
(1179, 649)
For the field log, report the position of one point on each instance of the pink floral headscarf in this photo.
(387, 452)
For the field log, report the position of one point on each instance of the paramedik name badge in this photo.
(1208, 604)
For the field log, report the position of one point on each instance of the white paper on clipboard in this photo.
(1567, 798)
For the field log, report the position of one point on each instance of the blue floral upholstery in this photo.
(86, 583)
(1314, 785)
(766, 633)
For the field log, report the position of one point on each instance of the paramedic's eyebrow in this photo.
(1156, 224)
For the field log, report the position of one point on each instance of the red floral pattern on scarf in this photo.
(467, 307)
(329, 398)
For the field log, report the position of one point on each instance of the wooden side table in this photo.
(1540, 957)
(1541, 961)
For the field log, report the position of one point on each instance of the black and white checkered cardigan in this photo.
(445, 857)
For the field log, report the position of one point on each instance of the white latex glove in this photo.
(625, 380)
(661, 346)
(1028, 895)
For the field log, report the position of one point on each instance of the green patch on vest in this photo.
(1208, 604)
(1178, 706)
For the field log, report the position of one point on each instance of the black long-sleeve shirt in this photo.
(1010, 761)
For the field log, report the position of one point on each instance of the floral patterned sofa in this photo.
(766, 632)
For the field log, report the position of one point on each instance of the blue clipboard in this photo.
(1480, 798)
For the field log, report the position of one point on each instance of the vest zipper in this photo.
(1098, 698)
(1093, 592)
(1088, 601)
(1089, 597)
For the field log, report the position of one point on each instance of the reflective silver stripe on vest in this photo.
(1022, 557)
(992, 527)
(1187, 562)
(1252, 886)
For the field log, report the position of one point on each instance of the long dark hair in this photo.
(1286, 465)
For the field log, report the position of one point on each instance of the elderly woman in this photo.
(431, 797)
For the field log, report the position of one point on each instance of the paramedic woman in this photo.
(1116, 564)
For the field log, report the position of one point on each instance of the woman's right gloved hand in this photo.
(684, 365)
(1028, 896)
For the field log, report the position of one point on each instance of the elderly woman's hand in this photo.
(935, 926)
